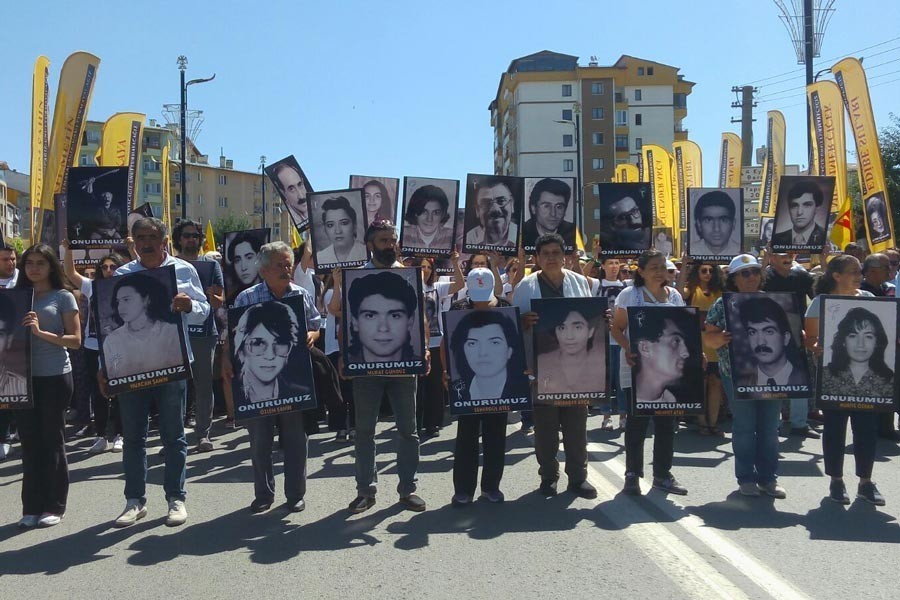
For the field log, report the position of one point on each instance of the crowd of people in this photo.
(67, 382)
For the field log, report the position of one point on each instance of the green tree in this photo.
(889, 140)
(229, 223)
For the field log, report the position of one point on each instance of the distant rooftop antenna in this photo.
(593, 62)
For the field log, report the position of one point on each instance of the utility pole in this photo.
(746, 104)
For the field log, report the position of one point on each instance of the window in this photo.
(640, 71)
(621, 161)
(595, 189)
(679, 100)
(649, 70)
(177, 199)
(567, 114)
(199, 175)
(567, 140)
(596, 214)
(622, 142)
(637, 119)
(596, 163)
(568, 165)
(223, 200)
(152, 188)
(597, 88)
(567, 90)
(637, 95)
(597, 113)
(200, 199)
(223, 180)
(597, 139)
(84, 160)
(638, 143)
(621, 118)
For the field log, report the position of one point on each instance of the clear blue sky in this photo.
(402, 88)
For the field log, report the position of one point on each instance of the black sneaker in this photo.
(260, 506)
(632, 484)
(870, 493)
(548, 488)
(413, 503)
(669, 485)
(361, 504)
(806, 432)
(583, 490)
(837, 492)
(296, 505)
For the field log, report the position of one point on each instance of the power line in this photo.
(799, 77)
(769, 97)
(827, 61)
(879, 84)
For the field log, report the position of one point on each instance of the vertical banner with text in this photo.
(120, 146)
(773, 165)
(40, 111)
(730, 161)
(627, 174)
(851, 79)
(688, 174)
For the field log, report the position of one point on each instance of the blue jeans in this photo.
(135, 409)
(798, 412)
(401, 393)
(754, 438)
(616, 391)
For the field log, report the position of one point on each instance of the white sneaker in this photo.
(100, 446)
(134, 512)
(177, 513)
(4, 450)
(118, 444)
(28, 522)
(49, 520)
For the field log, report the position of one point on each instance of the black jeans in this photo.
(430, 394)
(45, 472)
(834, 440)
(465, 455)
(663, 444)
(104, 408)
(342, 417)
(547, 423)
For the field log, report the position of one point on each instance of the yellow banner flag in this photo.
(851, 79)
(40, 111)
(166, 187)
(120, 146)
(627, 174)
(830, 154)
(730, 161)
(209, 244)
(773, 165)
(688, 174)
(658, 170)
(73, 98)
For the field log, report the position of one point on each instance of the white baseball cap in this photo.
(480, 284)
(741, 262)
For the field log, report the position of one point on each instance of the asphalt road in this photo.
(712, 543)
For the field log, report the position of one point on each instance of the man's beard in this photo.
(386, 256)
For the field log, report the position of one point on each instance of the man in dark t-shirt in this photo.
(781, 276)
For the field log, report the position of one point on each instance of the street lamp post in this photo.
(579, 200)
(182, 67)
(262, 179)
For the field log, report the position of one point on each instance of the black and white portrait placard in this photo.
(486, 361)
(715, 223)
(384, 330)
(15, 349)
(549, 208)
(429, 216)
(626, 218)
(667, 378)
(571, 347)
(494, 205)
(766, 348)
(801, 214)
(878, 222)
(380, 196)
(206, 271)
(443, 265)
(241, 261)
(338, 229)
(142, 341)
(859, 360)
(293, 186)
(96, 206)
(271, 362)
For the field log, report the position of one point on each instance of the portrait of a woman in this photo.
(857, 366)
(578, 363)
(487, 360)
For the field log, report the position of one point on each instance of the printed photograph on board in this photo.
(571, 347)
(715, 223)
(293, 187)
(443, 265)
(550, 209)
(667, 378)
(858, 367)
(493, 206)
(801, 214)
(626, 218)
(380, 195)
(97, 206)
(142, 342)
(486, 361)
(385, 330)
(877, 221)
(767, 356)
(15, 349)
(241, 261)
(429, 210)
(338, 229)
(271, 362)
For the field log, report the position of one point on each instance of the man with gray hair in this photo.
(150, 241)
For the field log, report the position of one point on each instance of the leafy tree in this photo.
(227, 223)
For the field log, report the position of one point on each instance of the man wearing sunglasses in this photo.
(623, 226)
(495, 207)
(264, 346)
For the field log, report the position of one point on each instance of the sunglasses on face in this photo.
(706, 270)
(190, 236)
(748, 273)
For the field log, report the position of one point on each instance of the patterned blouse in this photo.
(870, 386)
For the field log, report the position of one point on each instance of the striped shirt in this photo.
(260, 293)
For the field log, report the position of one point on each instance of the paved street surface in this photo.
(710, 544)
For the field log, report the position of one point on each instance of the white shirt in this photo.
(10, 282)
(305, 279)
(781, 377)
